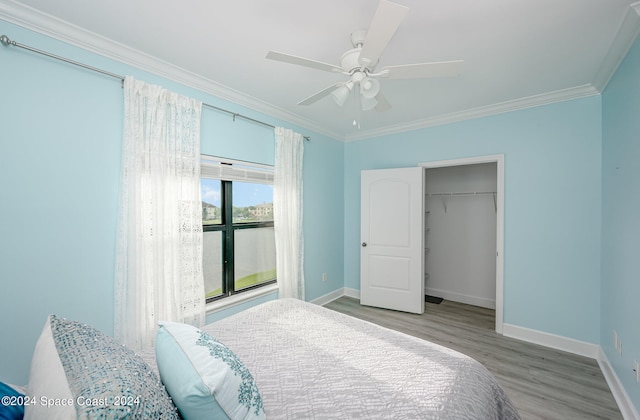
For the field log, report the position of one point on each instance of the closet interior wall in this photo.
(460, 233)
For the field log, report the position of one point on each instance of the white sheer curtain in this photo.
(159, 238)
(287, 213)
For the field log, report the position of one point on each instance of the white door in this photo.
(391, 249)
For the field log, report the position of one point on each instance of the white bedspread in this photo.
(311, 362)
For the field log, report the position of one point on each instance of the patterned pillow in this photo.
(205, 379)
(78, 372)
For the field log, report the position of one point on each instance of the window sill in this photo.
(231, 301)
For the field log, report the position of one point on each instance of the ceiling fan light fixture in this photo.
(369, 87)
(341, 94)
(368, 103)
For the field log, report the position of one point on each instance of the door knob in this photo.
(364, 244)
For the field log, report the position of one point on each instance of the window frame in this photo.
(263, 175)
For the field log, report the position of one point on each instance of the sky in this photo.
(244, 194)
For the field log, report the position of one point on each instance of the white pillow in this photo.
(78, 372)
(47, 380)
(205, 379)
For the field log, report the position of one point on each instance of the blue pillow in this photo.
(205, 379)
(12, 403)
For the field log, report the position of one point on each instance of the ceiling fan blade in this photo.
(384, 25)
(292, 59)
(317, 96)
(424, 70)
(383, 104)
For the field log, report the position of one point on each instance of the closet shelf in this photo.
(463, 194)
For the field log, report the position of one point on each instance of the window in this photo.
(239, 250)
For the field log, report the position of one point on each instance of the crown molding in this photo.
(626, 35)
(562, 95)
(45, 24)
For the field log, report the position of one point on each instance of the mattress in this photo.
(311, 362)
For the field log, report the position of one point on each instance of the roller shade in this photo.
(235, 170)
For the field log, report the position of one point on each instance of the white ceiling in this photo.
(516, 53)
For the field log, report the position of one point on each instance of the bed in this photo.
(309, 362)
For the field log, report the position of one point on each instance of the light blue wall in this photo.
(59, 170)
(60, 137)
(552, 205)
(621, 219)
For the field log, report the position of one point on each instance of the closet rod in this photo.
(459, 194)
(6, 42)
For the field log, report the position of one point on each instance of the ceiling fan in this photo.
(360, 63)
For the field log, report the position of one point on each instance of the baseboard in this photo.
(352, 293)
(329, 297)
(462, 298)
(582, 348)
(336, 294)
(553, 341)
(625, 404)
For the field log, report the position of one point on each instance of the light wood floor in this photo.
(543, 383)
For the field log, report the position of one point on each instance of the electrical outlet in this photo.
(324, 277)
(636, 368)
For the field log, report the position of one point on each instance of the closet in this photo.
(460, 233)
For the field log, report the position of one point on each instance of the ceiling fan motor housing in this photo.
(349, 60)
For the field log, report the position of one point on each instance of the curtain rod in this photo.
(6, 42)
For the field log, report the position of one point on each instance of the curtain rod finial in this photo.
(5, 40)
